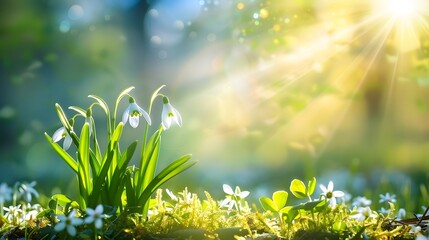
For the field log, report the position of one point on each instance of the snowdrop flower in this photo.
(95, 216)
(361, 202)
(330, 194)
(26, 190)
(68, 222)
(233, 197)
(387, 198)
(363, 213)
(61, 133)
(133, 112)
(5, 193)
(169, 114)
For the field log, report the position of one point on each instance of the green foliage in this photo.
(104, 177)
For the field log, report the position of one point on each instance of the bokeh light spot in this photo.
(75, 12)
(277, 27)
(156, 40)
(179, 25)
(64, 26)
(153, 13)
(263, 13)
(240, 6)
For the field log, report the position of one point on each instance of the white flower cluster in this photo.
(72, 220)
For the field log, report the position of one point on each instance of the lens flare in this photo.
(403, 8)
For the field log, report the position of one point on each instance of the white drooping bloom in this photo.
(169, 115)
(133, 112)
(68, 222)
(5, 193)
(61, 133)
(26, 191)
(330, 194)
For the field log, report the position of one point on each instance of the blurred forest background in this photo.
(268, 90)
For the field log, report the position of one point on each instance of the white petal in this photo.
(244, 194)
(58, 134)
(60, 226)
(71, 230)
(177, 117)
(145, 115)
(99, 209)
(76, 221)
(98, 223)
(227, 189)
(89, 219)
(134, 121)
(323, 188)
(338, 194)
(89, 211)
(330, 186)
(332, 202)
(67, 142)
(126, 114)
(166, 121)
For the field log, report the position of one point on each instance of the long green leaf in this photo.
(166, 174)
(114, 146)
(122, 166)
(129, 188)
(63, 154)
(100, 178)
(84, 164)
(150, 158)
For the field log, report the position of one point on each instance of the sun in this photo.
(403, 8)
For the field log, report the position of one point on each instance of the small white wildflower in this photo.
(13, 214)
(68, 222)
(233, 197)
(387, 198)
(26, 191)
(361, 202)
(61, 133)
(169, 114)
(133, 112)
(95, 216)
(330, 194)
(363, 213)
